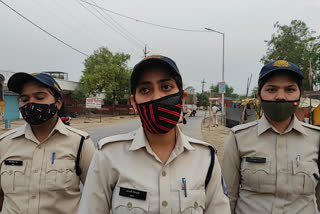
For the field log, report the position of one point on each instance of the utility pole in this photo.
(145, 52)
(203, 82)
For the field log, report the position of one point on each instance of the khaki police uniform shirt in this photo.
(269, 172)
(33, 183)
(127, 164)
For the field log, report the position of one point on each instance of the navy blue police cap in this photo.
(149, 61)
(16, 81)
(280, 65)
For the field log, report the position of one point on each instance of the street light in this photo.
(209, 29)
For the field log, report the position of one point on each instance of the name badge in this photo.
(133, 193)
(255, 160)
(13, 162)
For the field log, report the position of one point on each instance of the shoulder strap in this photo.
(77, 167)
(212, 151)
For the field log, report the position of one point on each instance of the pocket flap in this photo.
(304, 167)
(130, 203)
(255, 166)
(194, 199)
(11, 169)
(60, 165)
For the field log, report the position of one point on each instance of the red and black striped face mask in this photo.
(161, 115)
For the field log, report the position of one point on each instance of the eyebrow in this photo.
(159, 81)
(36, 93)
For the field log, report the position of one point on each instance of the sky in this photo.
(246, 25)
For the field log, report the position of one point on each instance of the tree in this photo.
(298, 44)
(107, 73)
(254, 92)
(80, 93)
(202, 99)
(229, 90)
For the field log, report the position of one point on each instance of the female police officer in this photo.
(155, 169)
(270, 165)
(40, 164)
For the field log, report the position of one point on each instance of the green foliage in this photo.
(80, 93)
(202, 99)
(108, 73)
(298, 44)
(229, 90)
(254, 92)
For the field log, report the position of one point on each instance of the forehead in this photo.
(33, 86)
(154, 74)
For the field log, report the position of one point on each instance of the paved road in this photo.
(192, 128)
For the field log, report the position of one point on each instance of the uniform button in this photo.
(10, 171)
(164, 203)
(33, 197)
(129, 205)
(39, 147)
(35, 171)
(196, 204)
(164, 173)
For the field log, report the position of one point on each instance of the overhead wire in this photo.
(45, 31)
(119, 26)
(107, 24)
(145, 22)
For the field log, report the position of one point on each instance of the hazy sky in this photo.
(246, 24)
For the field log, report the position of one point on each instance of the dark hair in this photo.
(290, 74)
(162, 66)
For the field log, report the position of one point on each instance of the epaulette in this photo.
(8, 133)
(77, 131)
(311, 126)
(115, 138)
(193, 140)
(244, 126)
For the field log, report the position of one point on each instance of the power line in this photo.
(119, 26)
(145, 22)
(102, 20)
(53, 36)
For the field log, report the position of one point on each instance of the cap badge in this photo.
(281, 63)
(34, 74)
(57, 87)
(153, 57)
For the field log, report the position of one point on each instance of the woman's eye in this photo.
(271, 90)
(144, 90)
(167, 87)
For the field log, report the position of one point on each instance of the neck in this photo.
(42, 131)
(162, 144)
(280, 126)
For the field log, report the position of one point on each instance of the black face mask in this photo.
(36, 114)
(279, 110)
(161, 115)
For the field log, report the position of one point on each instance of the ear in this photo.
(184, 96)
(133, 103)
(258, 96)
(59, 103)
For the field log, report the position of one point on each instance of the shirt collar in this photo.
(140, 140)
(264, 125)
(27, 131)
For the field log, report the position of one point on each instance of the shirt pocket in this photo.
(122, 204)
(257, 177)
(303, 181)
(194, 203)
(61, 175)
(13, 178)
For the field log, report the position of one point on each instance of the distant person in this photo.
(155, 169)
(215, 109)
(43, 161)
(270, 165)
